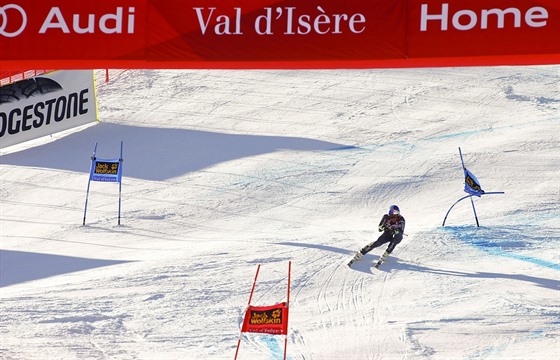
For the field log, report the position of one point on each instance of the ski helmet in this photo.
(394, 210)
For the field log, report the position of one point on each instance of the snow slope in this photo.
(226, 170)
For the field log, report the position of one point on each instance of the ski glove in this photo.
(381, 227)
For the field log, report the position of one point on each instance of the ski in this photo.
(381, 260)
(355, 258)
(359, 255)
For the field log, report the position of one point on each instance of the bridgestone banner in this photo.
(277, 34)
(46, 104)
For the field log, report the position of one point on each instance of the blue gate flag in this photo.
(106, 170)
(472, 186)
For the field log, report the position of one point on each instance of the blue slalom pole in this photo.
(89, 181)
(120, 181)
(474, 210)
(472, 201)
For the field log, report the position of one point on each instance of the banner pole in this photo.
(248, 304)
(448, 211)
(463, 198)
(120, 181)
(89, 181)
(288, 306)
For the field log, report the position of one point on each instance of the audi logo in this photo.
(12, 32)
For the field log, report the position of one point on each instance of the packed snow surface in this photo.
(227, 170)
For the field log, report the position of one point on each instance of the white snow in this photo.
(226, 170)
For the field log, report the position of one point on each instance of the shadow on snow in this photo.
(400, 265)
(20, 266)
(156, 153)
(366, 263)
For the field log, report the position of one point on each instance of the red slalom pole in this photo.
(288, 306)
(248, 304)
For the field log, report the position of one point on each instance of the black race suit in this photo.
(393, 229)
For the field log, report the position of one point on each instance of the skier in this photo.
(392, 225)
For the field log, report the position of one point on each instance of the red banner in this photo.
(266, 319)
(220, 34)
